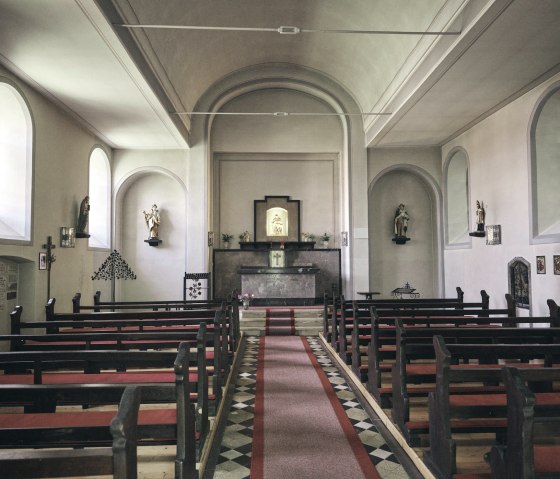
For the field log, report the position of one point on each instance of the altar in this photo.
(287, 282)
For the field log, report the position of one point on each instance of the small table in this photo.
(368, 294)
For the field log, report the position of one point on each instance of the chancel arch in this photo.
(545, 168)
(456, 204)
(159, 269)
(419, 260)
(310, 86)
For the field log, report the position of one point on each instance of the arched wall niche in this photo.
(544, 167)
(456, 178)
(160, 269)
(419, 261)
(352, 186)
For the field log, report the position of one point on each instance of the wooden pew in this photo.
(477, 413)
(119, 460)
(217, 358)
(230, 308)
(533, 426)
(381, 343)
(361, 330)
(111, 366)
(412, 378)
(156, 426)
(355, 319)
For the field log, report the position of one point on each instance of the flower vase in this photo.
(246, 303)
(325, 244)
(226, 244)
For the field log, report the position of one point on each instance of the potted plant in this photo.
(245, 237)
(246, 298)
(226, 238)
(325, 238)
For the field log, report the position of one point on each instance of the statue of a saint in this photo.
(153, 221)
(83, 216)
(401, 221)
(480, 216)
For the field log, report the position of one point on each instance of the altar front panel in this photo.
(279, 282)
(227, 263)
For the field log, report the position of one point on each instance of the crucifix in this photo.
(276, 259)
(49, 246)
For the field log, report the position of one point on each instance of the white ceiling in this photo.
(125, 84)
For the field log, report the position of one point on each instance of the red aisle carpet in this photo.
(300, 429)
(280, 322)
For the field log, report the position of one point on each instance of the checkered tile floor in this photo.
(234, 460)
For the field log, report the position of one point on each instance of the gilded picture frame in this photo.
(541, 265)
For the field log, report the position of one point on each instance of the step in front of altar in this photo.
(308, 321)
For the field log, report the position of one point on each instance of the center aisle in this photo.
(240, 441)
(300, 428)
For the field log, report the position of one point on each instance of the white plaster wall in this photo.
(498, 152)
(276, 134)
(313, 179)
(61, 161)
(159, 269)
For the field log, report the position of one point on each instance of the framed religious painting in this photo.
(556, 263)
(541, 265)
(277, 219)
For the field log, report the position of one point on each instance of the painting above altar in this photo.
(277, 219)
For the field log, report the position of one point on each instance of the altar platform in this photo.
(308, 321)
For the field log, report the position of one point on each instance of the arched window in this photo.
(99, 200)
(545, 168)
(456, 176)
(16, 163)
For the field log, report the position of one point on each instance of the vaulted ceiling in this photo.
(127, 84)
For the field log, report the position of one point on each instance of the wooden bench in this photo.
(533, 427)
(109, 367)
(229, 306)
(119, 460)
(45, 425)
(355, 318)
(414, 372)
(378, 349)
(483, 412)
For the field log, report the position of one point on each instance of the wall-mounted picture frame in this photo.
(42, 261)
(556, 263)
(541, 265)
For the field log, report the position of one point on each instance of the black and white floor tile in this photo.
(234, 460)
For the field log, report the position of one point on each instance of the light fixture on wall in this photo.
(493, 234)
(67, 237)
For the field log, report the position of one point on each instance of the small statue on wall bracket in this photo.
(153, 221)
(480, 215)
(401, 225)
(83, 217)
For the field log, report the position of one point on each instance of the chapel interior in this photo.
(335, 112)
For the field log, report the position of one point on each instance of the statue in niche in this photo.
(401, 221)
(277, 222)
(152, 221)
